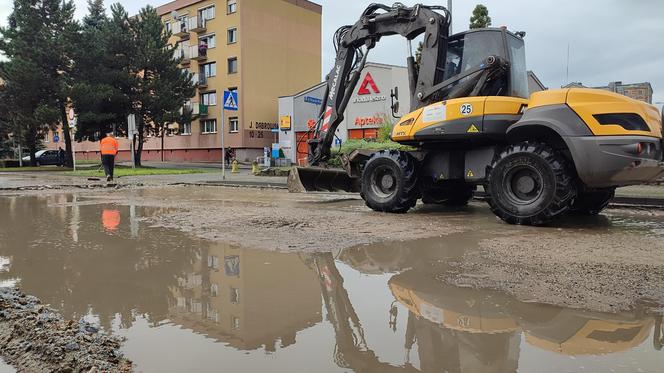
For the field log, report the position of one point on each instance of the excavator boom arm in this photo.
(377, 21)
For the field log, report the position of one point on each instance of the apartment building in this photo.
(264, 49)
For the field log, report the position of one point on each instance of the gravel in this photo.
(35, 338)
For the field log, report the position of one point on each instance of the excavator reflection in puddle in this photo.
(462, 329)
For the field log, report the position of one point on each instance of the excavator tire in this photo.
(530, 184)
(389, 182)
(593, 202)
(452, 194)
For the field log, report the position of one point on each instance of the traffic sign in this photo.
(230, 100)
(56, 138)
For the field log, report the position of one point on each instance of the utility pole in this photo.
(449, 7)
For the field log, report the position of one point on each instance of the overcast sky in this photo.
(609, 39)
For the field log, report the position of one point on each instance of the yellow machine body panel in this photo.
(470, 319)
(597, 337)
(590, 103)
(457, 117)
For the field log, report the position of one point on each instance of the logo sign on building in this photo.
(285, 123)
(313, 100)
(230, 100)
(368, 84)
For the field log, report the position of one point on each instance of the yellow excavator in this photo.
(461, 329)
(473, 123)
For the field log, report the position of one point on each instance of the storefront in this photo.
(368, 109)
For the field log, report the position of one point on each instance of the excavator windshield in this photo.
(470, 49)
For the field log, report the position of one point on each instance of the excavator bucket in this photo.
(318, 179)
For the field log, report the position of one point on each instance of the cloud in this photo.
(609, 40)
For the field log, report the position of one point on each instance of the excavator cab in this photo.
(468, 50)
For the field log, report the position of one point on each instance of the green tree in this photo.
(480, 18)
(418, 54)
(162, 88)
(102, 92)
(36, 44)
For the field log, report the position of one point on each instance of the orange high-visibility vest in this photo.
(109, 146)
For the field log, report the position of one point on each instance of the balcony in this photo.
(187, 108)
(197, 24)
(198, 52)
(182, 53)
(181, 28)
(200, 110)
(201, 80)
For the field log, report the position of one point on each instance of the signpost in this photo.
(230, 103)
(131, 133)
(72, 125)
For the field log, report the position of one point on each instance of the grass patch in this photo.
(34, 169)
(352, 145)
(122, 171)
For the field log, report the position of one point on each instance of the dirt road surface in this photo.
(610, 264)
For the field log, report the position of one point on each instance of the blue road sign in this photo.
(230, 100)
(56, 139)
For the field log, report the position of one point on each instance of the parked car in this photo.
(46, 158)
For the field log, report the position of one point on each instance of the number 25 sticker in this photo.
(466, 109)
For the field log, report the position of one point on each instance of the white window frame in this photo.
(204, 130)
(213, 70)
(209, 94)
(228, 65)
(201, 12)
(231, 6)
(185, 129)
(211, 36)
(233, 125)
(231, 31)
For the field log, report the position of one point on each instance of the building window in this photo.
(232, 65)
(209, 70)
(233, 125)
(168, 27)
(209, 126)
(185, 129)
(235, 323)
(209, 98)
(232, 35)
(235, 296)
(206, 14)
(231, 6)
(214, 290)
(210, 40)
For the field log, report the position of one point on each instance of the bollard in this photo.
(254, 168)
(235, 167)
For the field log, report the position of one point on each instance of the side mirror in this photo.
(394, 95)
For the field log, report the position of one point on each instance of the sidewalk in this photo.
(48, 180)
(642, 194)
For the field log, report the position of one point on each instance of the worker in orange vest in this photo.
(109, 149)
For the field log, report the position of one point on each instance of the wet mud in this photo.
(196, 279)
(35, 338)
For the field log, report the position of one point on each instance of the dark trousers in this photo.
(109, 164)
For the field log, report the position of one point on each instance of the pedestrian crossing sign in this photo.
(230, 100)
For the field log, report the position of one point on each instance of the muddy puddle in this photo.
(191, 305)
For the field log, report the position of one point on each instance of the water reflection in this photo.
(373, 309)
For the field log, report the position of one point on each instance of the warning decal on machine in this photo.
(473, 129)
(434, 113)
(470, 174)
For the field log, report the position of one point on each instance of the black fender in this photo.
(555, 125)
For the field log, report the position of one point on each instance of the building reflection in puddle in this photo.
(377, 301)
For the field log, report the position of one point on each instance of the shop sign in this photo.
(368, 121)
(285, 123)
(313, 100)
